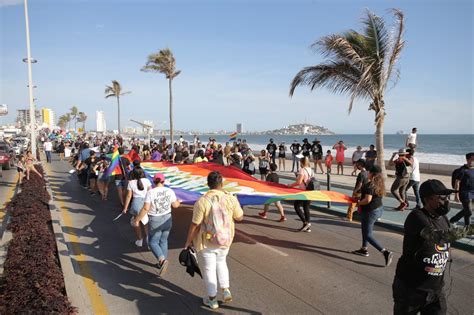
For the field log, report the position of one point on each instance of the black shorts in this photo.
(263, 171)
(282, 155)
(317, 157)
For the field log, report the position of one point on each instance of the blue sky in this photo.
(237, 60)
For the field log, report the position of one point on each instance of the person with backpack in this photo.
(138, 186)
(211, 234)
(273, 177)
(403, 170)
(371, 209)
(464, 185)
(157, 206)
(263, 163)
(304, 177)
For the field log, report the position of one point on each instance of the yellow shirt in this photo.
(201, 211)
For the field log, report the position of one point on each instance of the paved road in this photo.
(274, 270)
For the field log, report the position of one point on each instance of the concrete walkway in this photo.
(274, 269)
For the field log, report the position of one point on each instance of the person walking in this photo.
(48, 147)
(61, 150)
(415, 178)
(361, 180)
(157, 206)
(213, 240)
(273, 177)
(371, 209)
(370, 156)
(137, 188)
(340, 148)
(356, 156)
(302, 206)
(403, 170)
(418, 285)
(411, 139)
(295, 151)
(464, 184)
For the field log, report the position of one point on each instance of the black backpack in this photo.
(312, 183)
(456, 175)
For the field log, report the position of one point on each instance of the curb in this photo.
(75, 290)
(5, 235)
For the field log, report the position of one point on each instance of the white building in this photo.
(239, 128)
(100, 121)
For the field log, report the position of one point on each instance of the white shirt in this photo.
(306, 173)
(137, 193)
(48, 146)
(415, 176)
(411, 138)
(160, 200)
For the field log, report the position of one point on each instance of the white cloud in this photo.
(5, 3)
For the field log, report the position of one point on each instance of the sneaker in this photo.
(401, 207)
(227, 295)
(361, 252)
(162, 267)
(282, 219)
(211, 303)
(139, 243)
(262, 215)
(307, 227)
(388, 257)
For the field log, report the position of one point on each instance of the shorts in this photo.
(263, 171)
(104, 178)
(137, 205)
(282, 155)
(120, 183)
(317, 157)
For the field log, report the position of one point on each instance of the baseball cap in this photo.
(433, 187)
(159, 176)
(402, 152)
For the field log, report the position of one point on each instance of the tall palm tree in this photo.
(164, 62)
(82, 117)
(67, 118)
(359, 64)
(62, 122)
(115, 90)
(74, 112)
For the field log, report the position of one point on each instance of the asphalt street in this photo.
(274, 269)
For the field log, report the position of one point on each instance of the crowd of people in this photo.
(212, 228)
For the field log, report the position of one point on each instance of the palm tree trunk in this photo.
(379, 143)
(118, 113)
(84, 126)
(75, 124)
(171, 112)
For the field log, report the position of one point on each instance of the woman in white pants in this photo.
(213, 242)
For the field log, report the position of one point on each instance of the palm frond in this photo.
(397, 44)
(162, 62)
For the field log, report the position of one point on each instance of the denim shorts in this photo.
(120, 183)
(137, 205)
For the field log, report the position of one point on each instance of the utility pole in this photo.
(30, 83)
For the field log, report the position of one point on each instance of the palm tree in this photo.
(74, 112)
(359, 64)
(82, 117)
(115, 90)
(164, 62)
(62, 122)
(67, 118)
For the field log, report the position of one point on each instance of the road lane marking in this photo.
(248, 238)
(97, 301)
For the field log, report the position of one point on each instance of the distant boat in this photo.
(400, 132)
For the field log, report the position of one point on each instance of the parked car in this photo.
(7, 156)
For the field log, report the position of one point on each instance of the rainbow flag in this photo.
(189, 182)
(114, 167)
(233, 136)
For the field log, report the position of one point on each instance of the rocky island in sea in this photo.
(298, 129)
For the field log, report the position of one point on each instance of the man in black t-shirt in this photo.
(271, 149)
(306, 148)
(370, 157)
(464, 183)
(418, 283)
(295, 150)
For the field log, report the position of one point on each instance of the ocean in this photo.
(434, 149)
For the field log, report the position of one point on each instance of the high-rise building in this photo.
(48, 118)
(23, 117)
(239, 128)
(100, 121)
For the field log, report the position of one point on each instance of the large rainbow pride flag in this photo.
(189, 182)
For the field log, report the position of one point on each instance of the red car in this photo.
(6, 156)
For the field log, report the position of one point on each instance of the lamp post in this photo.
(29, 61)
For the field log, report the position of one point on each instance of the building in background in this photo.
(149, 123)
(48, 118)
(239, 128)
(100, 121)
(23, 118)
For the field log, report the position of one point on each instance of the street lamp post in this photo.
(29, 61)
